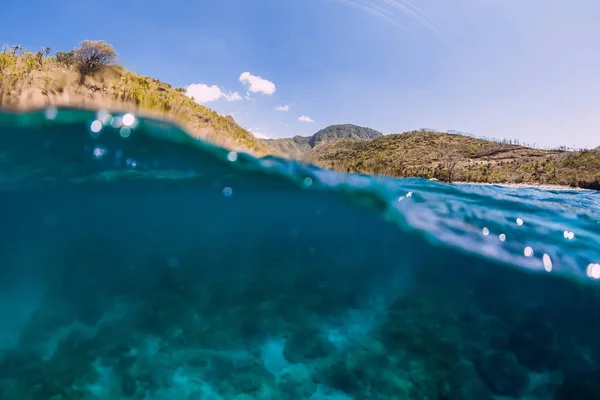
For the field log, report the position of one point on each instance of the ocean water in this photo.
(139, 263)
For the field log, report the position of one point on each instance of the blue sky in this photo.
(501, 68)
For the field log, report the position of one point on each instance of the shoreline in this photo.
(523, 185)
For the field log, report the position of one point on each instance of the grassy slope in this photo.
(433, 154)
(25, 83)
(295, 147)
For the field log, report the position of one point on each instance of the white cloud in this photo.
(256, 84)
(233, 97)
(257, 133)
(202, 93)
(283, 108)
(305, 118)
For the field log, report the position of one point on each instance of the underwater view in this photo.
(137, 262)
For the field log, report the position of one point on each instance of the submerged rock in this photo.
(89, 311)
(503, 374)
(582, 386)
(297, 383)
(307, 344)
(128, 385)
(534, 344)
(472, 387)
(339, 376)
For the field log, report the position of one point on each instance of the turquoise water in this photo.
(139, 263)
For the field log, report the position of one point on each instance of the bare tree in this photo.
(449, 161)
(16, 49)
(93, 56)
(39, 57)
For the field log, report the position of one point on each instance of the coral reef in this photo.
(191, 336)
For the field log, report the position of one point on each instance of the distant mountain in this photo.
(295, 147)
(299, 146)
(346, 131)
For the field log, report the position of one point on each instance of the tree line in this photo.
(504, 140)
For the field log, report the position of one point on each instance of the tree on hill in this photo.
(93, 56)
(450, 162)
(67, 59)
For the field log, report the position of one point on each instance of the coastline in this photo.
(524, 185)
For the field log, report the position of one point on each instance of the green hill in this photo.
(31, 80)
(451, 157)
(300, 146)
(346, 131)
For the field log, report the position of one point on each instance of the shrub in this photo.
(7, 61)
(30, 61)
(66, 59)
(93, 56)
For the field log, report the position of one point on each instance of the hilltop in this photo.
(454, 157)
(300, 146)
(442, 156)
(29, 80)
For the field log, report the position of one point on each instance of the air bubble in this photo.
(232, 156)
(99, 152)
(547, 262)
(128, 120)
(51, 113)
(96, 126)
(116, 122)
(593, 271)
(125, 132)
(103, 116)
(569, 235)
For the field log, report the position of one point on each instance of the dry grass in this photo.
(26, 83)
(460, 158)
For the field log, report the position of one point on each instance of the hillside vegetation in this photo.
(300, 146)
(77, 78)
(451, 157)
(89, 77)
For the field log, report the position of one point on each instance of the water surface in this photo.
(137, 262)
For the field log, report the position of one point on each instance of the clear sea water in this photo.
(139, 263)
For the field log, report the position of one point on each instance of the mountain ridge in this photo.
(299, 146)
